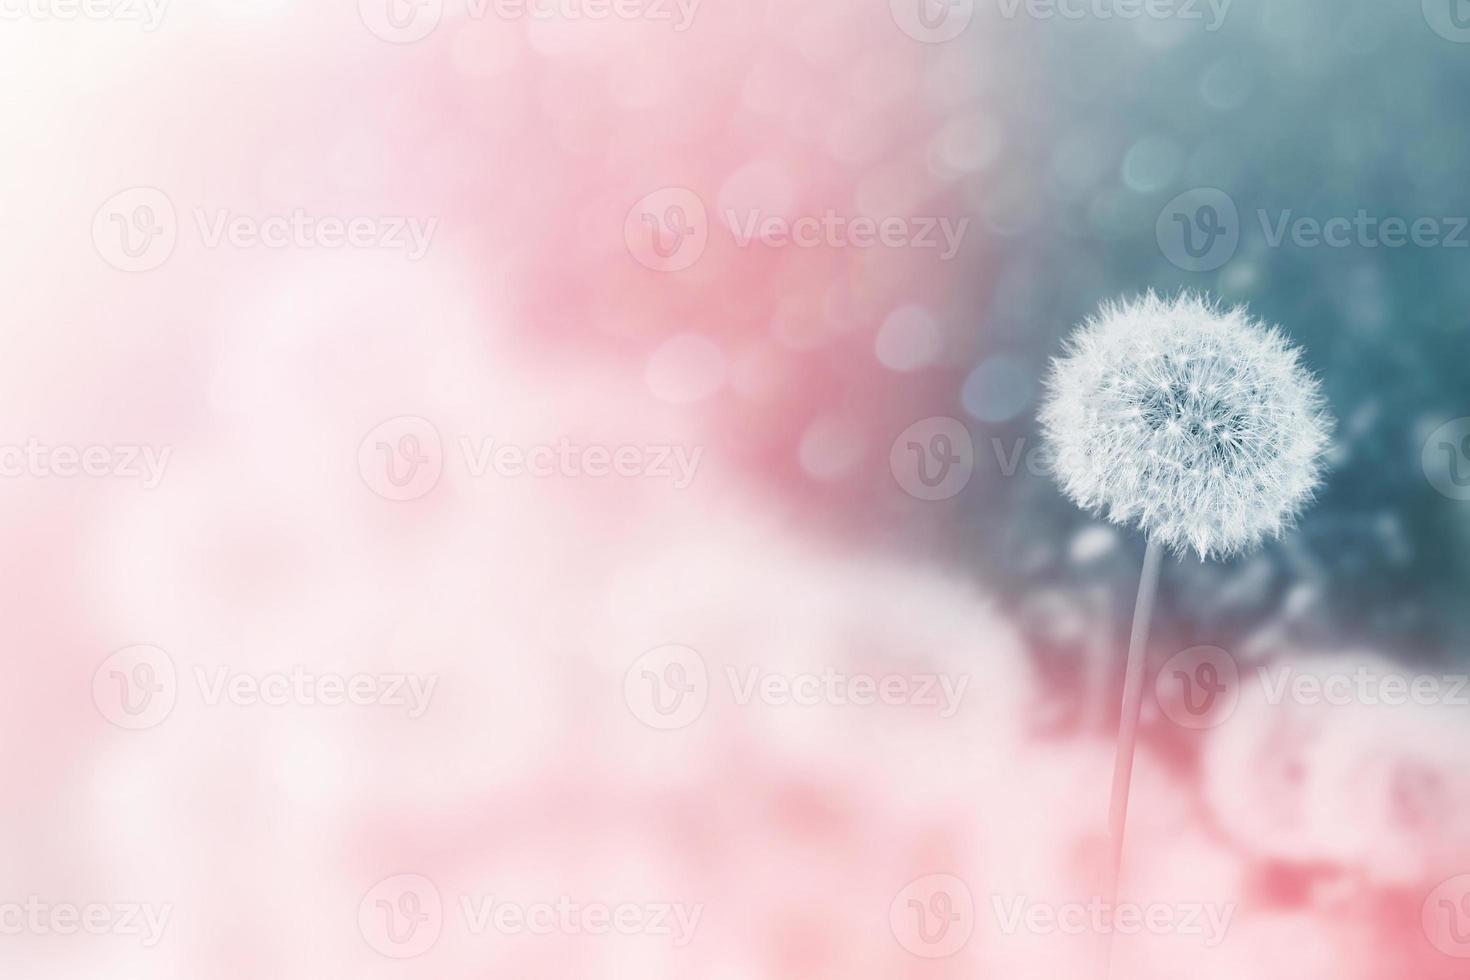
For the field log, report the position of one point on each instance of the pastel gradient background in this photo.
(862, 503)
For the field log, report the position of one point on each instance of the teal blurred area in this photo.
(1305, 157)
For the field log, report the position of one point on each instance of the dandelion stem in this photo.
(1143, 611)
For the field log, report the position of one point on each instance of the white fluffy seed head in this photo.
(1193, 421)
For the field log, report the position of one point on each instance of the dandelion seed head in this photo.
(1192, 421)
